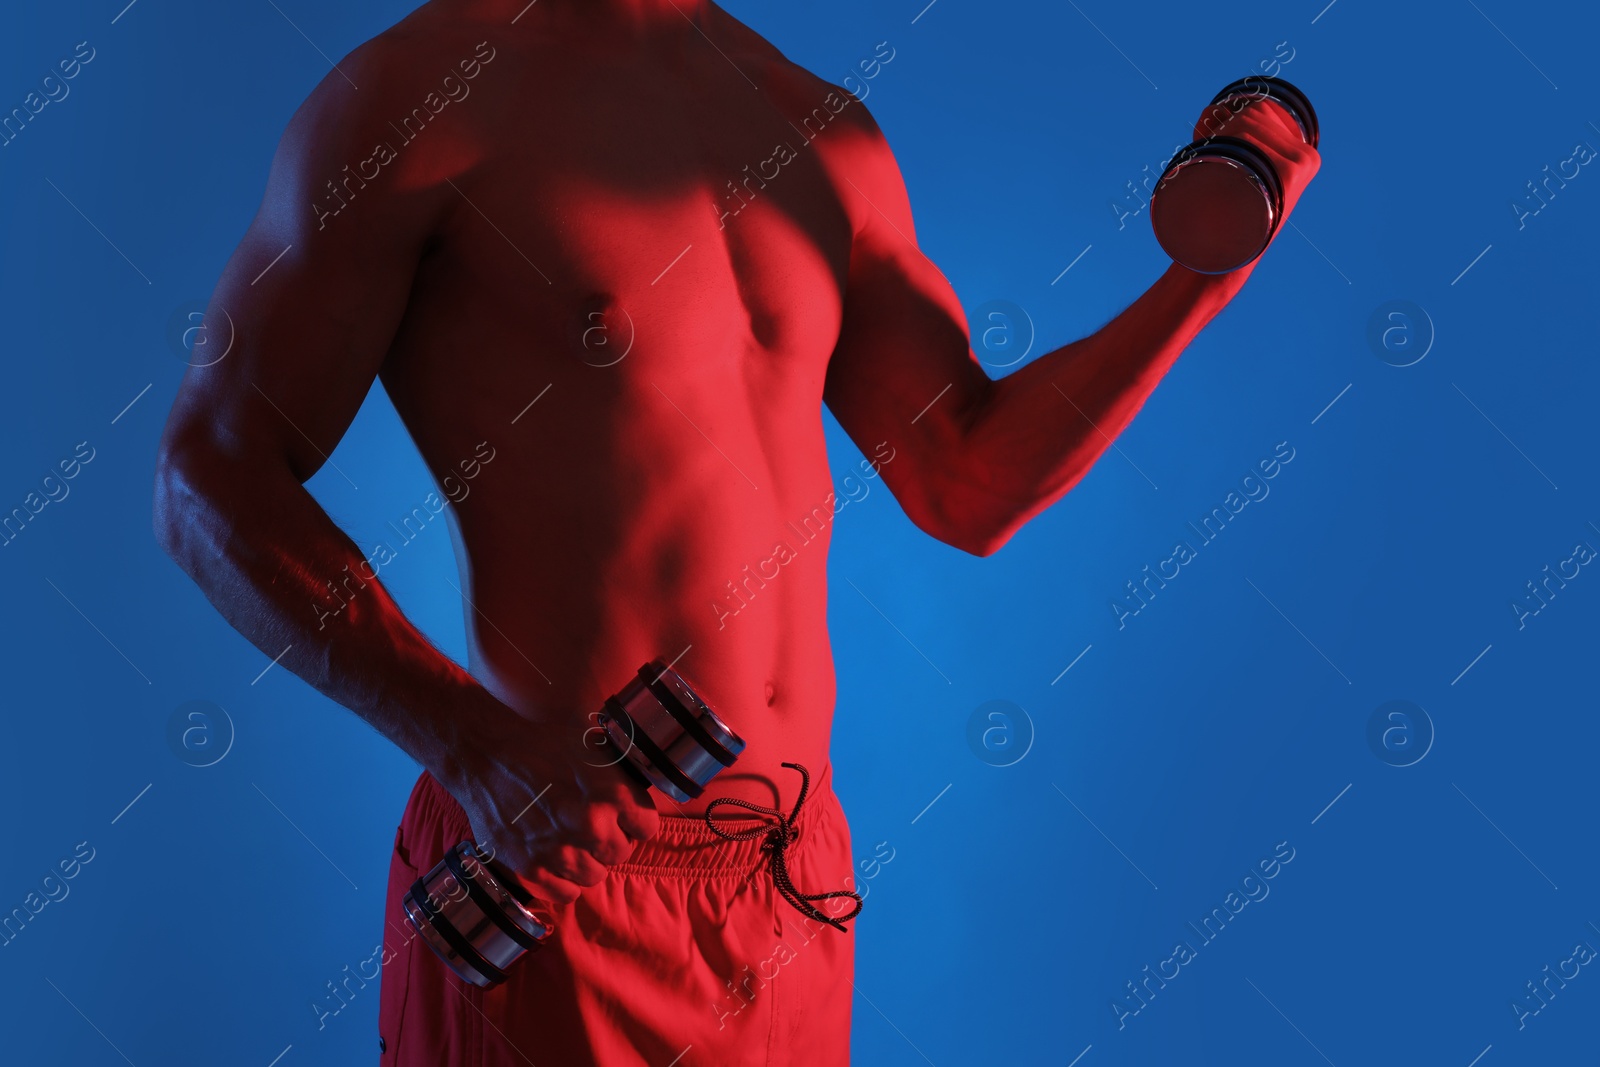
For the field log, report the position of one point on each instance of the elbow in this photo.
(977, 523)
(984, 544)
(177, 494)
(961, 494)
(166, 506)
(980, 510)
(980, 541)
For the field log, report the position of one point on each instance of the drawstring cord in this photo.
(779, 836)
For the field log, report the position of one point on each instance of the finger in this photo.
(1261, 121)
(577, 865)
(606, 840)
(639, 822)
(547, 886)
(1225, 118)
(614, 850)
(1277, 117)
(1275, 129)
(627, 786)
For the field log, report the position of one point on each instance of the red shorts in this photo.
(685, 955)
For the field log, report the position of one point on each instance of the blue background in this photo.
(1178, 750)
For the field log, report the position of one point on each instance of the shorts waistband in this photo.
(686, 846)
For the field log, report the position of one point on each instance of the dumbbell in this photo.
(1220, 200)
(478, 917)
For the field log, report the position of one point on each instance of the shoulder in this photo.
(383, 76)
(856, 153)
(837, 124)
(402, 86)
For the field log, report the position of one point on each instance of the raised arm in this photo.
(310, 304)
(982, 456)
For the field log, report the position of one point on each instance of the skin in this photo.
(496, 263)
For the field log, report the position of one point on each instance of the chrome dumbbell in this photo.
(478, 917)
(1220, 200)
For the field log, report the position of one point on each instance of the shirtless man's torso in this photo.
(633, 255)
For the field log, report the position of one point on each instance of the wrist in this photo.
(457, 734)
(1213, 290)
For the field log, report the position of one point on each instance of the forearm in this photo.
(287, 578)
(1036, 432)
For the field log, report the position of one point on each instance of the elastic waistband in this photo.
(685, 845)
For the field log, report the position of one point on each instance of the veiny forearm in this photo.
(1036, 432)
(264, 552)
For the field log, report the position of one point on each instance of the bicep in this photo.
(309, 302)
(903, 369)
(903, 343)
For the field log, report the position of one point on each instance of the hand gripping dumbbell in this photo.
(1220, 200)
(478, 917)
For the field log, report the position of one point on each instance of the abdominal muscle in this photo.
(648, 545)
(653, 396)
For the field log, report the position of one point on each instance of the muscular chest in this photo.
(683, 228)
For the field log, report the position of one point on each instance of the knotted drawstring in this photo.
(780, 836)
